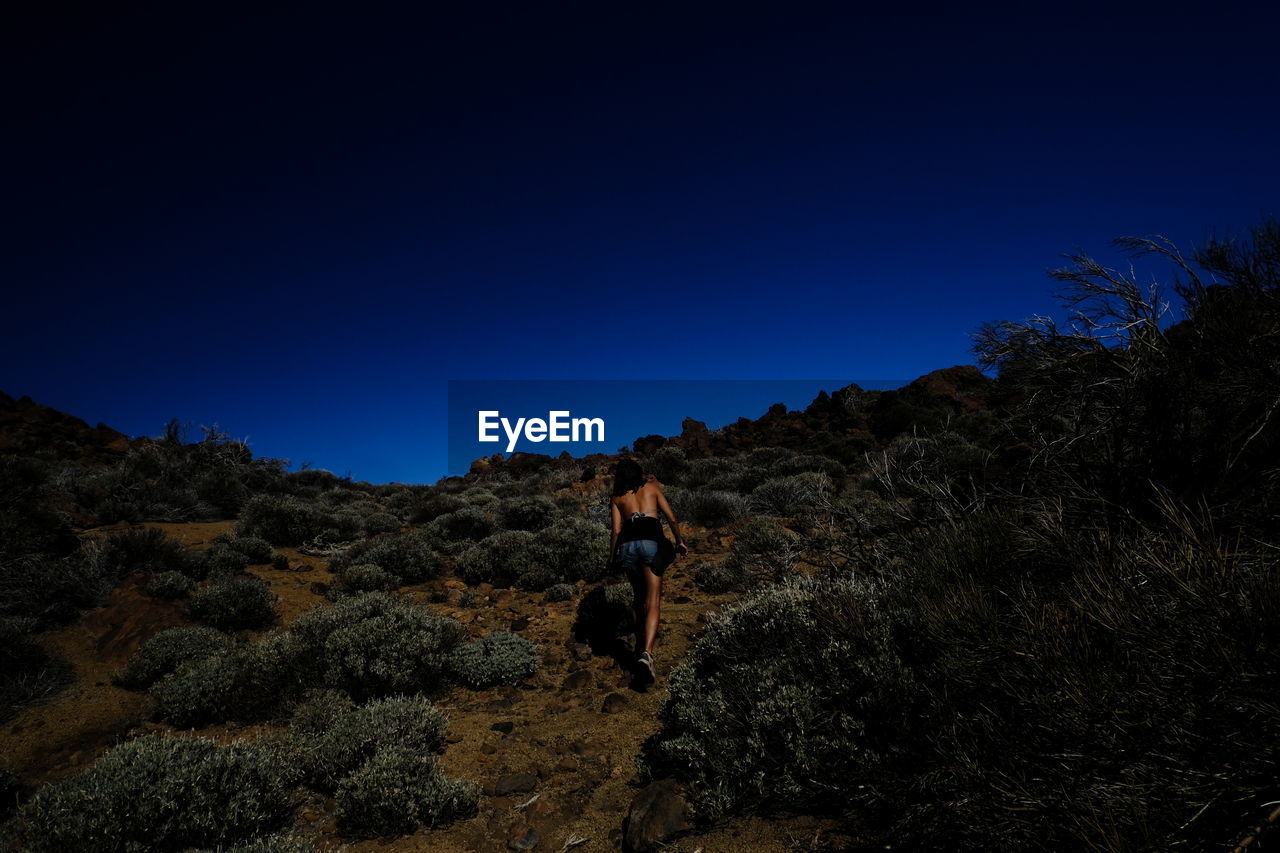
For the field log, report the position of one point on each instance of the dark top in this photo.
(644, 527)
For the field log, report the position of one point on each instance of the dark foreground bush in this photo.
(400, 789)
(231, 603)
(1022, 681)
(159, 793)
(169, 650)
(500, 657)
(790, 726)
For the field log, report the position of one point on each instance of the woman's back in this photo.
(643, 499)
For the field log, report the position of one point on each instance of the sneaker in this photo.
(644, 662)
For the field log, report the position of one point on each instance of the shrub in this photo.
(168, 650)
(790, 495)
(722, 576)
(28, 673)
(366, 577)
(408, 556)
(574, 548)
(434, 506)
(500, 657)
(146, 549)
(222, 562)
(168, 585)
(469, 522)
(376, 644)
(801, 726)
(255, 548)
(53, 589)
(382, 522)
(231, 603)
(330, 736)
(158, 792)
(400, 789)
(499, 559)
(280, 562)
(710, 507)
(282, 520)
(526, 513)
(668, 464)
(477, 496)
(251, 682)
(763, 550)
(560, 592)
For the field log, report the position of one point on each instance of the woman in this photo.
(640, 548)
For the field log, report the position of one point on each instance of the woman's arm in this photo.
(671, 517)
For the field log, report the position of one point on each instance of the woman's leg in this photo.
(652, 608)
(638, 597)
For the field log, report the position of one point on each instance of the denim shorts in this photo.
(639, 552)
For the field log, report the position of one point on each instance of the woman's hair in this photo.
(627, 476)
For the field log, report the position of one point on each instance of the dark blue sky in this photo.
(299, 222)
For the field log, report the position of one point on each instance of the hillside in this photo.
(1036, 612)
(575, 728)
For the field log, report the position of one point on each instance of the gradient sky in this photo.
(300, 221)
